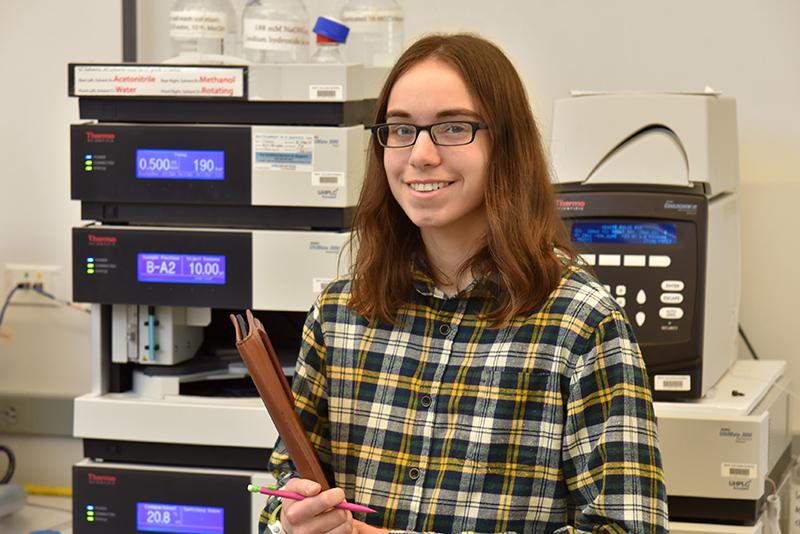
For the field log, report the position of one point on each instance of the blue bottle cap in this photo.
(332, 29)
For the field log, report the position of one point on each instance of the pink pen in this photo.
(298, 497)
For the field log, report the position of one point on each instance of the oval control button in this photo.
(641, 297)
(640, 317)
(672, 285)
(621, 302)
(671, 298)
(670, 313)
(660, 261)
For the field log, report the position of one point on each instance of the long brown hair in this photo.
(524, 230)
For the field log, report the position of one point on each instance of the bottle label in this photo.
(197, 23)
(371, 15)
(264, 34)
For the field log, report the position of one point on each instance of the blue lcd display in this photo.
(179, 518)
(180, 268)
(180, 164)
(625, 233)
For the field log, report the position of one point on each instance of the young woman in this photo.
(468, 375)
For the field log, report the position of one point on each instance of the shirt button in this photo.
(413, 473)
(426, 401)
(444, 329)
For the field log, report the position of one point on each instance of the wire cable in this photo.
(747, 342)
(12, 464)
(8, 300)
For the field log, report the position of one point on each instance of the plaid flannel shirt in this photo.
(445, 424)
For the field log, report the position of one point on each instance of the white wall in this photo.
(47, 351)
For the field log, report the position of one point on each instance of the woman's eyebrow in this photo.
(444, 114)
(457, 112)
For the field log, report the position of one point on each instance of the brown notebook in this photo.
(262, 362)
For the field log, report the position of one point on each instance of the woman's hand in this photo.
(315, 513)
(363, 528)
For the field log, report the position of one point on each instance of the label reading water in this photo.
(283, 152)
(264, 34)
(736, 470)
(196, 23)
(673, 382)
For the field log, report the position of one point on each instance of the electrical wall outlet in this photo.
(46, 275)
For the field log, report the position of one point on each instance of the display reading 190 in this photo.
(180, 164)
(179, 518)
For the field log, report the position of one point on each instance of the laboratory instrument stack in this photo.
(207, 189)
(648, 187)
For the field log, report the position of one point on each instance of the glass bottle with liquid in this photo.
(376, 31)
(275, 31)
(202, 27)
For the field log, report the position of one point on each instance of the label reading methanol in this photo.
(283, 152)
(673, 382)
(736, 470)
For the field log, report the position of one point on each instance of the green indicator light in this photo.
(90, 519)
(90, 514)
(90, 271)
(90, 265)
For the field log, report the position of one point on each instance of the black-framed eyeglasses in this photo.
(448, 133)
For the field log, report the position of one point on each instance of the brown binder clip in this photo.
(262, 362)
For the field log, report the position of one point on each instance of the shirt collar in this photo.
(482, 287)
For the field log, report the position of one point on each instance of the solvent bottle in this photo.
(331, 35)
(376, 31)
(202, 27)
(275, 31)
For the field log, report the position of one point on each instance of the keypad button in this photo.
(609, 260)
(444, 329)
(621, 301)
(671, 298)
(670, 313)
(620, 291)
(426, 401)
(640, 318)
(414, 473)
(641, 297)
(634, 260)
(607, 287)
(672, 285)
(660, 261)
(589, 259)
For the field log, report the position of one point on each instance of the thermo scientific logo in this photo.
(102, 240)
(570, 205)
(100, 137)
(102, 480)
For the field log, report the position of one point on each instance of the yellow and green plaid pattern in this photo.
(446, 424)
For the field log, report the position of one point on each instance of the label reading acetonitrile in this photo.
(197, 23)
(283, 152)
(263, 34)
